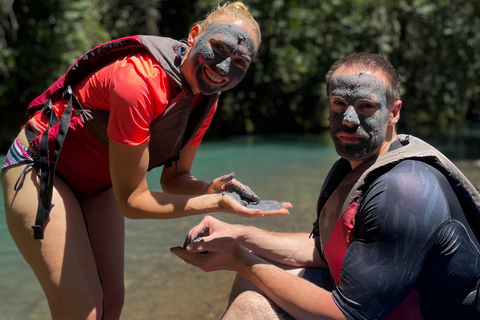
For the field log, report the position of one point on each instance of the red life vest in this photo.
(338, 202)
(170, 131)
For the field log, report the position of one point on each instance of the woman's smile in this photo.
(213, 77)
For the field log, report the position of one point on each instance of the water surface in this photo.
(161, 286)
(158, 284)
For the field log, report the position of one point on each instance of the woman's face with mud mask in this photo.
(220, 57)
(359, 114)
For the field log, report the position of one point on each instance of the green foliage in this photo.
(39, 40)
(435, 46)
(440, 60)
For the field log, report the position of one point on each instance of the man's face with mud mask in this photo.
(359, 114)
(220, 57)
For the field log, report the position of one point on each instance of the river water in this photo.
(161, 286)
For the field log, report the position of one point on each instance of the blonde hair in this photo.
(234, 10)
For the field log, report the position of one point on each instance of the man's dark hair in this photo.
(366, 61)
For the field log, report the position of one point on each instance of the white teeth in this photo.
(212, 76)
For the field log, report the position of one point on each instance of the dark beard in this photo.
(352, 151)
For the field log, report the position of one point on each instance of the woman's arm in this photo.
(178, 180)
(128, 170)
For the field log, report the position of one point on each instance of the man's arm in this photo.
(290, 249)
(300, 298)
(287, 249)
(297, 296)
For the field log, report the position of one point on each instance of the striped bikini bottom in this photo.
(18, 153)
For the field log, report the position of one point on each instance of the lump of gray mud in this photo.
(264, 205)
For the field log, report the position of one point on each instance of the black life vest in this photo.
(343, 187)
(414, 149)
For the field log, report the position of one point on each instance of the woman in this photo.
(139, 102)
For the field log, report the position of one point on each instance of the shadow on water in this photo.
(161, 286)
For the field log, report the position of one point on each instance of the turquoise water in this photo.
(158, 284)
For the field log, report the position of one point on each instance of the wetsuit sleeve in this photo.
(138, 94)
(394, 226)
(197, 139)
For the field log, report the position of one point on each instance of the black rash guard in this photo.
(411, 233)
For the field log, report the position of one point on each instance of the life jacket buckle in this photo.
(67, 94)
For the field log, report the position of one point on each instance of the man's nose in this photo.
(224, 66)
(350, 117)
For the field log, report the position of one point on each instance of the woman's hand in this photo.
(235, 205)
(234, 193)
(228, 183)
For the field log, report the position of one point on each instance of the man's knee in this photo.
(245, 304)
(251, 299)
(254, 305)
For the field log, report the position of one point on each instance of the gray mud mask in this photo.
(363, 98)
(220, 57)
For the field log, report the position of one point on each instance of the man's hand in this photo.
(218, 254)
(209, 228)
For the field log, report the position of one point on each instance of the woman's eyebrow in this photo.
(231, 47)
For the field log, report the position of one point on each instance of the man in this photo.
(397, 227)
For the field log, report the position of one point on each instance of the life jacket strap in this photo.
(47, 167)
(175, 159)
